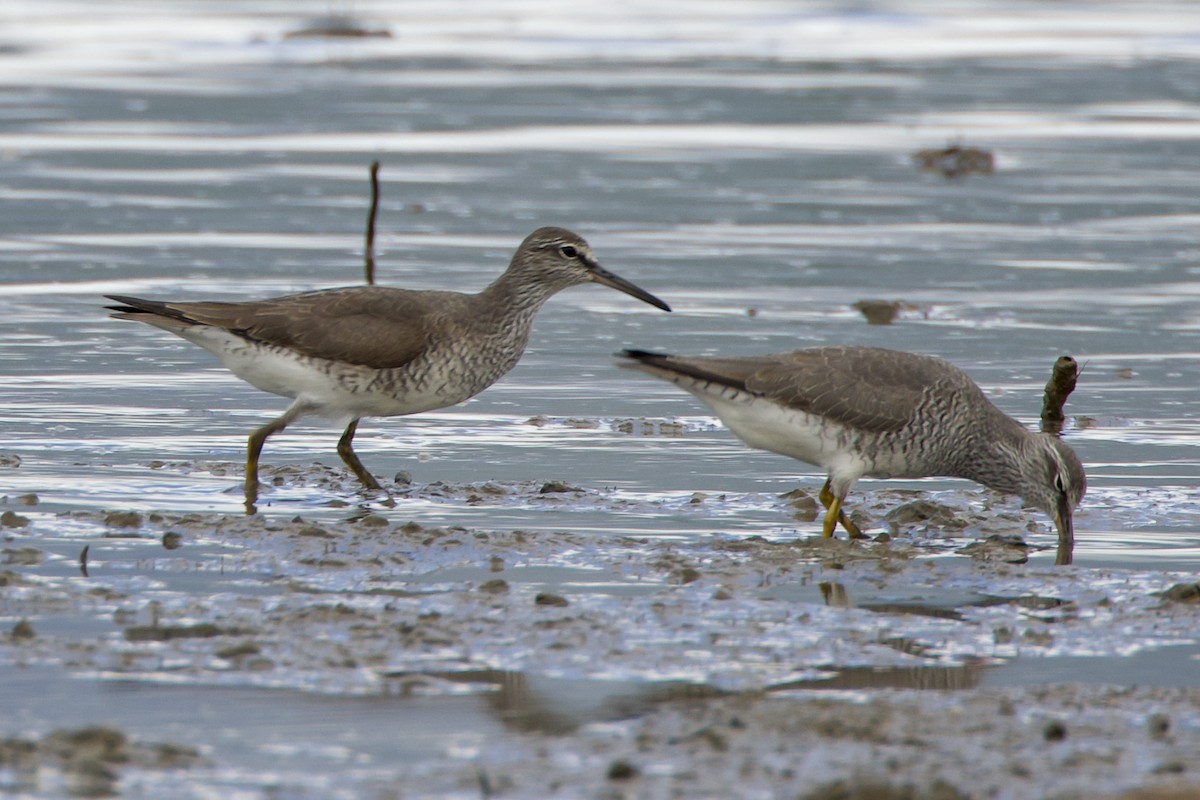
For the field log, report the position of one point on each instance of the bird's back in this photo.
(375, 350)
(902, 414)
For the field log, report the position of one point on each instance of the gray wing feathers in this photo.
(844, 385)
(372, 326)
(865, 388)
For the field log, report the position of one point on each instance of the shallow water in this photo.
(748, 162)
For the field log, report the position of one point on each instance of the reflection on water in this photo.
(935, 678)
(539, 704)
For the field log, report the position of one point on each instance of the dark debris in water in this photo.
(885, 312)
(166, 633)
(338, 27)
(956, 161)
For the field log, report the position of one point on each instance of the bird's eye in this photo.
(1058, 485)
(568, 251)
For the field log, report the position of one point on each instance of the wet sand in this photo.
(618, 666)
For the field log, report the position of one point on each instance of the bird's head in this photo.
(556, 258)
(1053, 480)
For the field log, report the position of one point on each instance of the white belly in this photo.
(343, 393)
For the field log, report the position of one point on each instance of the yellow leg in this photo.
(835, 515)
(254, 446)
(831, 518)
(346, 451)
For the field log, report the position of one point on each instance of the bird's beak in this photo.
(1066, 534)
(598, 274)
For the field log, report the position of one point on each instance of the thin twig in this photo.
(370, 248)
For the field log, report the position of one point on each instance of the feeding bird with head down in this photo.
(864, 411)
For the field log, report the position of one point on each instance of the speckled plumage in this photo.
(863, 411)
(378, 351)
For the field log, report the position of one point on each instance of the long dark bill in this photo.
(605, 278)
(1066, 535)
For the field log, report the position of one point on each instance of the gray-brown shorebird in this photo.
(373, 351)
(865, 411)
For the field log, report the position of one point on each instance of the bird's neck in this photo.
(509, 304)
(998, 459)
(511, 300)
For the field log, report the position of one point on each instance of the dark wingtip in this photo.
(640, 355)
(127, 303)
(631, 358)
(136, 305)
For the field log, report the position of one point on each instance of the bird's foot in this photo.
(852, 530)
(250, 490)
(372, 489)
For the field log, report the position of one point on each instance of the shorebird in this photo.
(372, 351)
(864, 411)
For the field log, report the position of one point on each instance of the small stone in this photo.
(494, 586)
(10, 460)
(1037, 638)
(1002, 548)
(805, 505)
(88, 777)
(923, 512)
(1179, 593)
(956, 161)
(27, 499)
(550, 599)
(23, 556)
(123, 519)
(621, 770)
(239, 651)
(95, 742)
(403, 478)
(174, 756)
(1055, 731)
(23, 631)
(165, 633)
(878, 312)
(172, 540)
(557, 487)
(685, 575)
(1159, 726)
(374, 521)
(10, 519)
